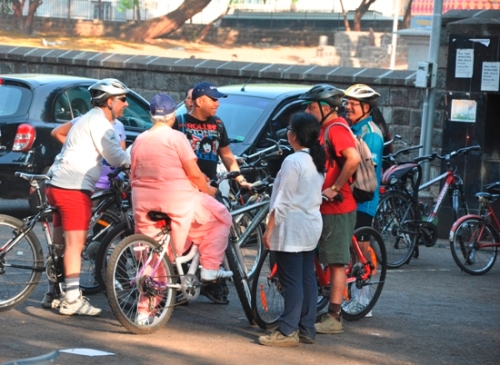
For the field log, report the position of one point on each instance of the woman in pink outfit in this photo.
(165, 177)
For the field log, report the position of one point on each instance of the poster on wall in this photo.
(464, 63)
(490, 77)
(463, 111)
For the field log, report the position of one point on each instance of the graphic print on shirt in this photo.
(204, 139)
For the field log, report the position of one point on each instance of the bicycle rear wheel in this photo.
(89, 283)
(267, 301)
(393, 221)
(465, 245)
(362, 294)
(21, 267)
(106, 248)
(140, 295)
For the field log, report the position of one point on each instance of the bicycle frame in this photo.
(488, 216)
(323, 274)
(451, 179)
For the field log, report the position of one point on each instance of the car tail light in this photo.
(24, 138)
(1, 81)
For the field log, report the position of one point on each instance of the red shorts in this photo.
(74, 208)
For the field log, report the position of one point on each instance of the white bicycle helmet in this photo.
(106, 88)
(362, 93)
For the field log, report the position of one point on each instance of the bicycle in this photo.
(474, 239)
(127, 277)
(21, 256)
(365, 281)
(401, 218)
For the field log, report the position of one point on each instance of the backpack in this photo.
(365, 179)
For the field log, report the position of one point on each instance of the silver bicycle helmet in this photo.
(326, 93)
(106, 88)
(362, 93)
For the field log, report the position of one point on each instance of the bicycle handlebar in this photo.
(448, 156)
(392, 156)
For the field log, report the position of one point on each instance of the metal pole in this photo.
(430, 97)
(394, 35)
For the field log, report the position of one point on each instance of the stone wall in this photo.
(400, 102)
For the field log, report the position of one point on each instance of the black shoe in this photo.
(217, 292)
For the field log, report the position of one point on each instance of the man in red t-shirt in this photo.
(339, 211)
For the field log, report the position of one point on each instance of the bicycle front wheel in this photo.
(21, 266)
(393, 220)
(251, 248)
(139, 285)
(240, 281)
(363, 293)
(267, 299)
(467, 243)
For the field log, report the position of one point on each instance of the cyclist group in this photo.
(166, 174)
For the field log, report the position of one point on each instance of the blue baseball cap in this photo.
(162, 105)
(208, 89)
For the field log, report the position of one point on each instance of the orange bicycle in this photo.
(365, 281)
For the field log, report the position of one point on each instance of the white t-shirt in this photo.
(90, 139)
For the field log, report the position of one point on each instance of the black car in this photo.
(255, 112)
(31, 105)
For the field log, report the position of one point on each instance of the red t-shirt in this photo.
(340, 138)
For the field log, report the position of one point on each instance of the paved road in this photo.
(428, 313)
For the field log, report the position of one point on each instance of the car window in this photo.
(62, 111)
(79, 101)
(239, 114)
(14, 100)
(74, 102)
(136, 115)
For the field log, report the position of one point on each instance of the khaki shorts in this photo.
(336, 238)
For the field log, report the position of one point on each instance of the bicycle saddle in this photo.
(395, 173)
(156, 216)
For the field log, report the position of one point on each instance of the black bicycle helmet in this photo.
(326, 93)
(363, 93)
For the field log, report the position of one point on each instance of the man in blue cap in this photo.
(201, 124)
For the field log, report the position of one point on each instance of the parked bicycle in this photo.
(475, 239)
(365, 281)
(402, 220)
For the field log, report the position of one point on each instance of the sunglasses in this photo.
(123, 99)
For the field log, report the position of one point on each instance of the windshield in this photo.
(239, 114)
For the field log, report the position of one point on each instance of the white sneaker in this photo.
(352, 307)
(369, 314)
(144, 319)
(80, 306)
(211, 275)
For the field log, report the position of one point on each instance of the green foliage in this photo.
(5, 6)
(124, 5)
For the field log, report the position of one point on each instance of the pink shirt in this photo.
(160, 183)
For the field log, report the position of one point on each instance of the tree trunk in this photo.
(165, 24)
(360, 11)
(407, 17)
(17, 8)
(28, 25)
(137, 10)
(209, 26)
(344, 14)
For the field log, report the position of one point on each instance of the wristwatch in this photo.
(334, 188)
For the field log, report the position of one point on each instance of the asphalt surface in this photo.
(429, 313)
